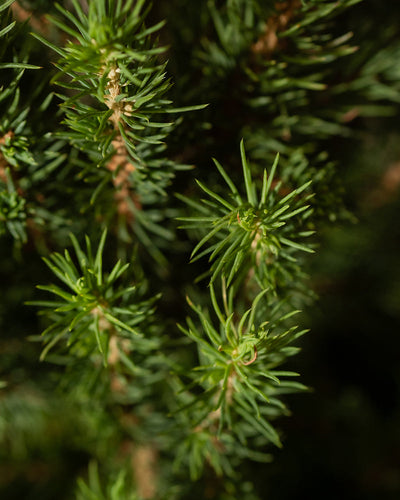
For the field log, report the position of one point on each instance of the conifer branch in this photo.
(159, 390)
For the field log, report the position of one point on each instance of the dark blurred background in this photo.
(343, 440)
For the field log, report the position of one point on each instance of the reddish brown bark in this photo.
(268, 43)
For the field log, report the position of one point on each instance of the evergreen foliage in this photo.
(167, 313)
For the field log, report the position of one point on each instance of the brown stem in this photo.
(3, 162)
(387, 189)
(120, 162)
(252, 359)
(39, 24)
(144, 464)
(268, 43)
